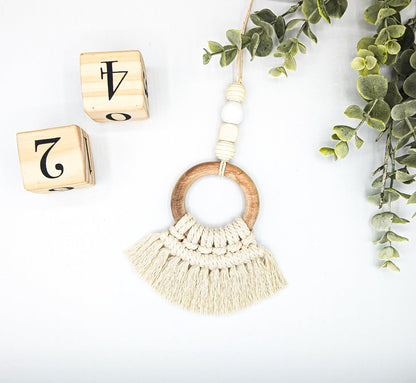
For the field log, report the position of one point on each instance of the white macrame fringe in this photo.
(210, 271)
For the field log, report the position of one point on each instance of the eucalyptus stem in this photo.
(389, 109)
(271, 33)
(387, 153)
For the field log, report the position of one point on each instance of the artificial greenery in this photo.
(390, 109)
(271, 33)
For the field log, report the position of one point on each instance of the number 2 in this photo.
(43, 167)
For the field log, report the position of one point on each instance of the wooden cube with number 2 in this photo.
(114, 86)
(56, 159)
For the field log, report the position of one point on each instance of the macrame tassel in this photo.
(210, 271)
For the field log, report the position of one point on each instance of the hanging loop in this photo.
(212, 168)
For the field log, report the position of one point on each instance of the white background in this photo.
(71, 307)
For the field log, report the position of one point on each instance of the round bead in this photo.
(224, 150)
(236, 92)
(232, 112)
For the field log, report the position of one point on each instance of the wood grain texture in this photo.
(67, 160)
(128, 81)
(212, 168)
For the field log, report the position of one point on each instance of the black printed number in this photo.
(43, 167)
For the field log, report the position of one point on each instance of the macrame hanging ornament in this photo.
(212, 271)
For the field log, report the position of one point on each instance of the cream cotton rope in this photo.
(210, 271)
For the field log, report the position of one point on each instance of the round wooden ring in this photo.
(212, 168)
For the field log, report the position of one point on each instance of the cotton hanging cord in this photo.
(239, 61)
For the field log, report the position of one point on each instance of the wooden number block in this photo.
(56, 159)
(114, 86)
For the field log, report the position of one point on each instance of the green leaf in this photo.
(267, 27)
(290, 62)
(302, 48)
(341, 149)
(390, 237)
(383, 221)
(306, 29)
(403, 65)
(396, 31)
(345, 133)
(293, 23)
(389, 265)
(336, 8)
(401, 194)
(387, 253)
(409, 86)
(327, 152)
(404, 110)
(412, 60)
(370, 62)
(234, 36)
(358, 142)
(393, 95)
(323, 11)
(393, 47)
(372, 87)
(286, 46)
(388, 197)
(382, 37)
(407, 160)
(358, 63)
(265, 46)
(376, 124)
(412, 199)
(405, 178)
(393, 237)
(276, 72)
(280, 28)
(371, 13)
(384, 13)
(399, 3)
(380, 110)
(365, 42)
(215, 47)
(206, 57)
(380, 52)
(354, 111)
(310, 10)
(254, 43)
(228, 55)
(266, 15)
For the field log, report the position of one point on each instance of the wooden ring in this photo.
(212, 168)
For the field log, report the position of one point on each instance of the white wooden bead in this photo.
(225, 150)
(228, 132)
(236, 92)
(232, 112)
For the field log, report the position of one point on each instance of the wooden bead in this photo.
(236, 92)
(225, 150)
(232, 112)
(56, 159)
(211, 168)
(228, 132)
(114, 86)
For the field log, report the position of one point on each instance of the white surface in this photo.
(72, 308)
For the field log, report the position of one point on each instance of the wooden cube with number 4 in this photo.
(56, 159)
(114, 86)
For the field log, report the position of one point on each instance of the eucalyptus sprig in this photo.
(390, 109)
(271, 33)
